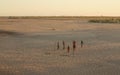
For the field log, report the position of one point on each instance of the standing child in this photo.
(81, 43)
(74, 46)
(68, 49)
(63, 45)
(58, 46)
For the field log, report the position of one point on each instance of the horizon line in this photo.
(60, 16)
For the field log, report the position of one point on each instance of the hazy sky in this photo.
(59, 7)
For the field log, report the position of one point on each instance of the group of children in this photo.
(74, 45)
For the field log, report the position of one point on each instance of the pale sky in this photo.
(59, 7)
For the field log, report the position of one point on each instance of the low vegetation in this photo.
(105, 20)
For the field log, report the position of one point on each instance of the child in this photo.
(68, 49)
(74, 46)
(81, 43)
(58, 46)
(63, 45)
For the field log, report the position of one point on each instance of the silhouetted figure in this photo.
(63, 45)
(74, 46)
(68, 49)
(81, 43)
(58, 46)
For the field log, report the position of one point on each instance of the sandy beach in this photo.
(28, 47)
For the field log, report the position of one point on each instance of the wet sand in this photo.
(28, 47)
